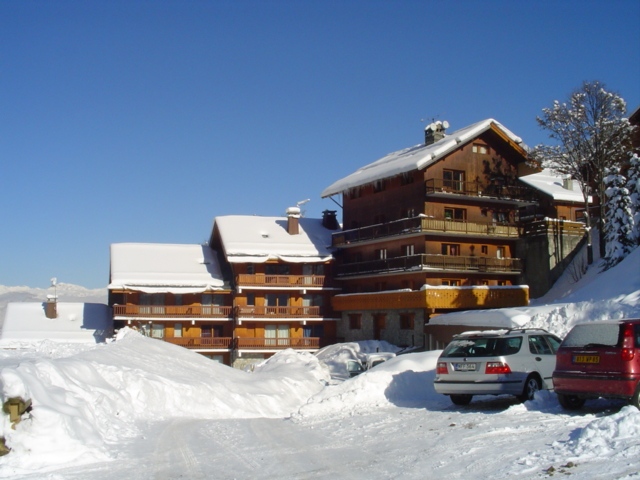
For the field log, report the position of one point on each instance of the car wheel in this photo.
(635, 400)
(570, 402)
(461, 399)
(531, 386)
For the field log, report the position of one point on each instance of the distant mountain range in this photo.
(66, 292)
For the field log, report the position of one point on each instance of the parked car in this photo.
(515, 362)
(356, 367)
(599, 359)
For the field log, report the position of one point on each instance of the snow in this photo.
(416, 158)
(156, 267)
(553, 185)
(75, 322)
(257, 239)
(142, 408)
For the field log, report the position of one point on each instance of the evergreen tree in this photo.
(619, 227)
(633, 185)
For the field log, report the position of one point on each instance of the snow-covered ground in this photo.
(140, 408)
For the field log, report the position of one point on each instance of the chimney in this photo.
(567, 182)
(293, 220)
(51, 307)
(435, 132)
(329, 220)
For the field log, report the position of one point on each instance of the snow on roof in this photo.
(158, 267)
(554, 185)
(415, 158)
(75, 322)
(257, 239)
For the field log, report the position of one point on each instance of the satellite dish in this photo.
(445, 124)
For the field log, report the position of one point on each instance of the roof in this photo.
(254, 239)
(76, 322)
(553, 184)
(417, 157)
(159, 267)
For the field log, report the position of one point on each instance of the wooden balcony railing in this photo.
(440, 298)
(281, 281)
(414, 225)
(285, 311)
(552, 225)
(221, 343)
(173, 311)
(277, 343)
(435, 262)
(519, 193)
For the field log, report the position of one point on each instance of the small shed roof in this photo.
(555, 185)
(75, 323)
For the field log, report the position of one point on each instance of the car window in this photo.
(538, 345)
(483, 347)
(593, 334)
(553, 342)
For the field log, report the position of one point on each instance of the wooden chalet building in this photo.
(281, 274)
(176, 293)
(444, 226)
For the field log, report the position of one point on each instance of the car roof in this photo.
(501, 333)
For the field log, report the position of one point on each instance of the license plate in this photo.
(464, 367)
(586, 359)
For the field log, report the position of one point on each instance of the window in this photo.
(453, 180)
(177, 330)
(355, 321)
(251, 298)
(406, 321)
(251, 268)
(178, 300)
(277, 269)
(408, 250)
(276, 335)
(157, 330)
(500, 217)
(479, 148)
(501, 252)
(484, 249)
(206, 331)
(451, 283)
(381, 254)
(408, 212)
(451, 249)
(379, 186)
(355, 192)
(276, 299)
(501, 283)
(456, 214)
(152, 303)
(406, 178)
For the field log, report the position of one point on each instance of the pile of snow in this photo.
(93, 398)
(335, 357)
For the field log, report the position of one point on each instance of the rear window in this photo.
(593, 335)
(482, 347)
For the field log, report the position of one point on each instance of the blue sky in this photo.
(141, 121)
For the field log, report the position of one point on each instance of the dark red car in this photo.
(599, 359)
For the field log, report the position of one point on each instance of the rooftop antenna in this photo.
(302, 202)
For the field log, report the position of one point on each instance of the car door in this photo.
(544, 358)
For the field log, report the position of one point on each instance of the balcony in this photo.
(506, 193)
(554, 226)
(173, 311)
(282, 281)
(437, 298)
(253, 311)
(257, 343)
(209, 343)
(417, 225)
(440, 263)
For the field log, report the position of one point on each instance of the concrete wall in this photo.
(391, 332)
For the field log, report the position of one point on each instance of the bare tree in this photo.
(591, 135)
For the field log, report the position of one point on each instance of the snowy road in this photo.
(494, 438)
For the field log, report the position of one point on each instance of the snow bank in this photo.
(86, 401)
(335, 357)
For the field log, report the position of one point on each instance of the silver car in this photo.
(513, 362)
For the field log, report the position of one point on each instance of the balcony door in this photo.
(152, 303)
(276, 335)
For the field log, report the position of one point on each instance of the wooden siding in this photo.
(436, 298)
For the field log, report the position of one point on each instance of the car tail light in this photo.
(627, 343)
(441, 368)
(496, 368)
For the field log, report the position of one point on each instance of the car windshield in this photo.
(593, 335)
(482, 347)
